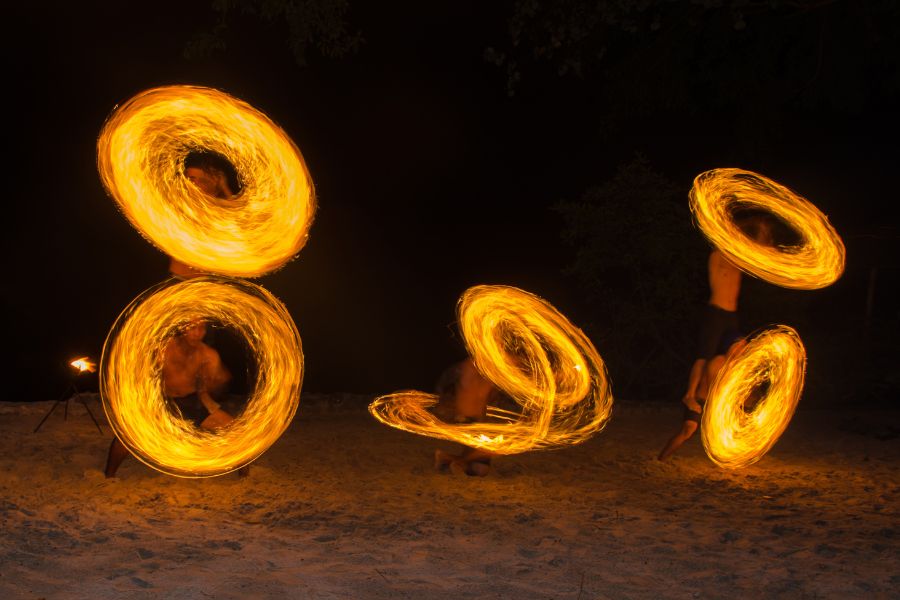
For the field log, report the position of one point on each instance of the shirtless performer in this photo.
(192, 375)
(464, 394)
(720, 333)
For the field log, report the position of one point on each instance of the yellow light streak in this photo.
(736, 434)
(525, 347)
(818, 261)
(84, 364)
(131, 379)
(140, 156)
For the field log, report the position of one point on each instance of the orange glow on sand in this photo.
(529, 350)
(131, 375)
(816, 263)
(84, 364)
(737, 433)
(140, 156)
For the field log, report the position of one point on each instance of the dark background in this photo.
(441, 146)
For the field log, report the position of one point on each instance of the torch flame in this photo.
(736, 435)
(816, 263)
(84, 364)
(140, 156)
(525, 347)
(131, 375)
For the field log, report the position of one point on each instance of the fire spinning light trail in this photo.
(533, 353)
(131, 375)
(816, 263)
(141, 153)
(736, 434)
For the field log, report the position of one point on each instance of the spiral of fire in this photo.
(753, 398)
(131, 384)
(816, 262)
(140, 157)
(530, 351)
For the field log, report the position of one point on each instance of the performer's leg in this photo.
(687, 430)
(117, 453)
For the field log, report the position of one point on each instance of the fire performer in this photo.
(463, 397)
(720, 333)
(183, 380)
(193, 376)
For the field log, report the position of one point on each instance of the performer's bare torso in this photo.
(190, 366)
(472, 392)
(724, 282)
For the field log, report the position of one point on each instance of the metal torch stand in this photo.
(70, 393)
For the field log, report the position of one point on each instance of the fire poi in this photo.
(817, 262)
(132, 390)
(140, 156)
(141, 153)
(736, 435)
(525, 347)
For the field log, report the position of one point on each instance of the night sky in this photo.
(430, 178)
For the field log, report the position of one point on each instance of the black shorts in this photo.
(190, 408)
(692, 415)
(718, 331)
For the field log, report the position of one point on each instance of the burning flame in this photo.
(816, 263)
(736, 434)
(84, 364)
(131, 378)
(529, 350)
(140, 156)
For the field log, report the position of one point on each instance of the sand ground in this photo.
(343, 507)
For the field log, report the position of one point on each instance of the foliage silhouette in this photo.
(642, 267)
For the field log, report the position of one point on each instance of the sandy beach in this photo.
(343, 507)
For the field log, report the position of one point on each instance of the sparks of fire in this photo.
(529, 350)
(753, 398)
(131, 379)
(84, 364)
(818, 261)
(140, 156)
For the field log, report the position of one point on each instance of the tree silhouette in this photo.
(643, 56)
(319, 25)
(642, 267)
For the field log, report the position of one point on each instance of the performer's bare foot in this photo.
(458, 467)
(478, 469)
(441, 460)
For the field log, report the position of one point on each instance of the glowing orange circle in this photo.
(816, 263)
(735, 437)
(140, 156)
(131, 382)
(528, 349)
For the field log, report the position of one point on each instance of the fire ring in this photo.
(817, 262)
(735, 433)
(141, 153)
(131, 382)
